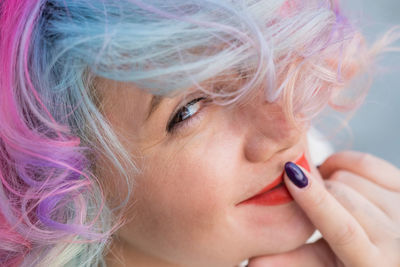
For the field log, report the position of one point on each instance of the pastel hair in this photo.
(53, 209)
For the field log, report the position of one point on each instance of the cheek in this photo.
(184, 198)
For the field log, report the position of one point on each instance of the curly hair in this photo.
(53, 210)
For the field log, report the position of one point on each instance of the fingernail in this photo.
(296, 175)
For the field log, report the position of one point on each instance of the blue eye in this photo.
(185, 113)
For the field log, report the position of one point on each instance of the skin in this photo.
(184, 208)
(356, 212)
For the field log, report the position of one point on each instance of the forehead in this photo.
(227, 81)
(114, 91)
(119, 101)
(123, 97)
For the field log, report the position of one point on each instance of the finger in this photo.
(382, 198)
(375, 169)
(373, 220)
(341, 230)
(313, 255)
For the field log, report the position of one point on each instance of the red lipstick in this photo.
(276, 192)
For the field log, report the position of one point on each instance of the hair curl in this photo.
(52, 207)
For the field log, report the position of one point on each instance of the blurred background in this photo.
(375, 128)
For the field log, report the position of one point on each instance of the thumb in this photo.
(311, 255)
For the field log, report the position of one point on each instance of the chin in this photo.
(283, 237)
(293, 238)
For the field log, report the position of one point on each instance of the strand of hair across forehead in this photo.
(264, 52)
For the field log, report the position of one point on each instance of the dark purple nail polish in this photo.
(296, 175)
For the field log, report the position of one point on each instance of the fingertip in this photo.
(296, 175)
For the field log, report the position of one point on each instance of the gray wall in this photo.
(376, 126)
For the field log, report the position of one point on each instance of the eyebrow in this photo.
(154, 104)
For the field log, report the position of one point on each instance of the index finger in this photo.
(339, 228)
(374, 169)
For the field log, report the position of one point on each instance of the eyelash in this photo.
(178, 120)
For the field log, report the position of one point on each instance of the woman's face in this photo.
(197, 164)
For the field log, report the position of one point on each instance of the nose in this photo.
(267, 130)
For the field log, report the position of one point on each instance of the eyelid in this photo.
(183, 102)
(179, 107)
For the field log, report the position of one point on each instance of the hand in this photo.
(357, 213)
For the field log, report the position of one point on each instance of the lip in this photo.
(276, 192)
